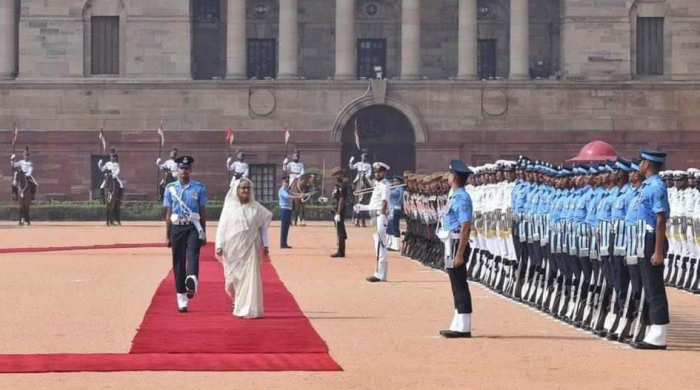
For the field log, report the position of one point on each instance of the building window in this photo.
(371, 53)
(207, 10)
(262, 58)
(264, 181)
(650, 46)
(486, 59)
(104, 49)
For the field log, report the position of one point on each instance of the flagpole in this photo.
(228, 167)
(286, 140)
(160, 150)
(14, 137)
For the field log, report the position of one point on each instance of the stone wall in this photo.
(478, 122)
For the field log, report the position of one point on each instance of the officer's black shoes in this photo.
(337, 255)
(613, 336)
(191, 286)
(373, 279)
(647, 346)
(450, 334)
(182, 309)
(286, 247)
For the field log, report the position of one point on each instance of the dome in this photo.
(596, 151)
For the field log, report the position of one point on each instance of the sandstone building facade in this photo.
(476, 79)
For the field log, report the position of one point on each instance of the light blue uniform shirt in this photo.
(593, 204)
(396, 198)
(520, 197)
(459, 210)
(194, 196)
(632, 207)
(653, 200)
(622, 201)
(581, 209)
(284, 201)
(605, 207)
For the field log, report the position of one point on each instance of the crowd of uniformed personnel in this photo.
(585, 243)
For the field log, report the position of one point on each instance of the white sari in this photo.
(241, 233)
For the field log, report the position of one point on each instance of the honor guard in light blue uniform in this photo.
(653, 212)
(456, 226)
(185, 200)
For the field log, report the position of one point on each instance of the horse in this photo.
(305, 186)
(112, 199)
(167, 179)
(361, 183)
(26, 190)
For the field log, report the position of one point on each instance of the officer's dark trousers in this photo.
(394, 228)
(342, 235)
(184, 240)
(286, 221)
(460, 287)
(653, 283)
(621, 279)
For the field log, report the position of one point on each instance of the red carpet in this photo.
(208, 338)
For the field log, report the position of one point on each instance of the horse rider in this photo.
(293, 169)
(379, 204)
(112, 166)
(364, 177)
(185, 229)
(169, 165)
(27, 167)
(238, 168)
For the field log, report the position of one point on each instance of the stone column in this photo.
(289, 40)
(519, 40)
(345, 40)
(410, 40)
(468, 38)
(8, 39)
(236, 41)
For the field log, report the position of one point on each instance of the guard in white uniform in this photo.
(379, 204)
(112, 166)
(169, 165)
(239, 168)
(293, 169)
(27, 167)
(363, 180)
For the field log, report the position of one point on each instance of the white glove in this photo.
(352, 160)
(100, 162)
(286, 160)
(12, 157)
(337, 218)
(158, 161)
(357, 208)
(228, 161)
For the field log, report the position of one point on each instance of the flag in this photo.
(14, 136)
(357, 135)
(103, 140)
(161, 133)
(229, 136)
(286, 135)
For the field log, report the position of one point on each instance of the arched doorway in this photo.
(386, 133)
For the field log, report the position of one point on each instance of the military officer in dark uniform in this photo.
(456, 227)
(340, 200)
(185, 225)
(652, 215)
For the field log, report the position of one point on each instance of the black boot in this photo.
(341, 250)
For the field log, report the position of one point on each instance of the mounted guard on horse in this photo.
(112, 188)
(362, 185)
(169, 169)
(24, 185)
(239, 169)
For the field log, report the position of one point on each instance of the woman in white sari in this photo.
(240, 241)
